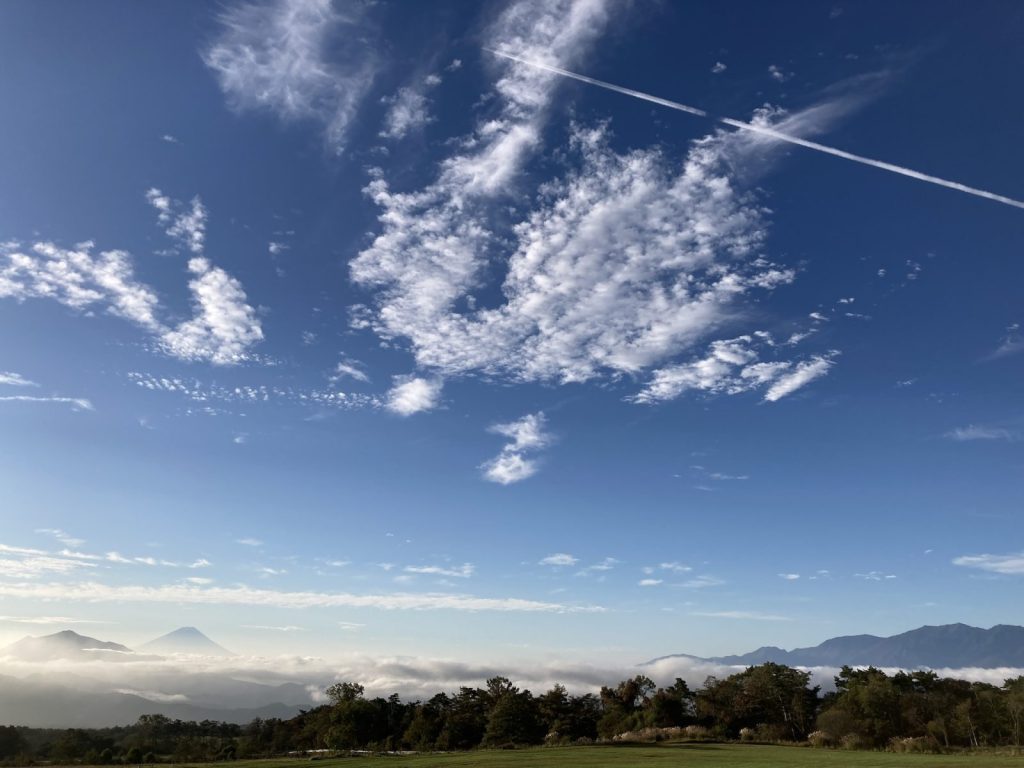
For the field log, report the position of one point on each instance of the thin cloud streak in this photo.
(94, 592)
(770, 132)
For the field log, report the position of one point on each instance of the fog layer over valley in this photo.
(87, 688)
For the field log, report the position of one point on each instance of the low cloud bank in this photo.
(299, 680)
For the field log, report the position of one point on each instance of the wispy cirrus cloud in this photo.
(973, 432)
(76, 403)
(559, 559)
(409, 108)
(62, 536)
(299, 59)
(734, 366)
(463, 571)
(11, 379)
(741, 615)
(1010, 564)
(187, 594)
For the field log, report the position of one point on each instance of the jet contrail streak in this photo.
(764, 131)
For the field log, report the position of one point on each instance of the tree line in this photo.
(869, 709)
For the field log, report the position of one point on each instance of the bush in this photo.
(748, 734)
(698, 732)
(854, 741)
(821, 739)
(920, 744)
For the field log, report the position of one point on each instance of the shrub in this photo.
(920, 744)
(821, 739)
(853, 741)
(748, 734)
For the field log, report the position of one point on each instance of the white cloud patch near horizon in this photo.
(1011, 564)
(187, 594)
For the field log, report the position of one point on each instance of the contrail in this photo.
(768, 132)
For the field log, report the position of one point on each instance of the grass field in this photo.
(664, 755)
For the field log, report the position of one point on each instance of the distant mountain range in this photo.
(185, 640)
(69, 645)
(92, 697)
(66, 645)
(949, 645)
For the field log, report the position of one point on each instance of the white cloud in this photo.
(170, 139)
(412, 394)
(1012, 564)
(718, 68)
(47, 620)
(204, 394)
(650, 582)
(188, 226)
(778, 74)
(741, 615)
(77, 278)
(702, 582)
(463, 571)
(875, 576)
(675, 567)
(607, 564)
(93, 592)
(11, 379)
(62, 536)
(512, 464)
(77, 403)
(249, 542)
(408, 109)
(301, 59)
(733, 366)
(978, 432)
(224, 326)
(27, 563)
(559, 559)
(349, 367)
(789, 576)
(275, 248)
(803, 374)
(286, 628)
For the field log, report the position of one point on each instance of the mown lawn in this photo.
(689, 755)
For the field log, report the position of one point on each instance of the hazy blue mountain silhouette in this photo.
(948, 645)
(66, 645)
(185, 640)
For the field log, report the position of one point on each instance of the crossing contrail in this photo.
(765, 131)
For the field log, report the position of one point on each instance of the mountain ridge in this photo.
(934, 646)
(188, 640)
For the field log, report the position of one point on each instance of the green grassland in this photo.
(687, 755)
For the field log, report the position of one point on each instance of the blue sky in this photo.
(323, 328)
